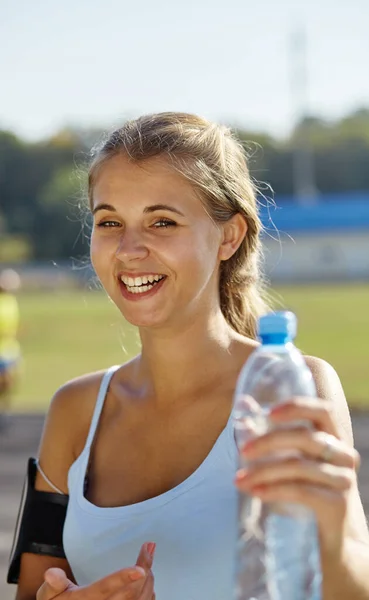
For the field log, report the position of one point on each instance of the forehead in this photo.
(121, 178)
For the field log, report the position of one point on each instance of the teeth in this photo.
(140, 281)
(141, 289)
(139, 285)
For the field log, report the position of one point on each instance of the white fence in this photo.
(306, 258)
(338, 256)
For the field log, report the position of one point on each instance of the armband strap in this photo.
(40, 523)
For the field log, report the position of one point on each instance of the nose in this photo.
(131, 247)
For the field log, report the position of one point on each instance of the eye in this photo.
(164, 223)
(108, 224)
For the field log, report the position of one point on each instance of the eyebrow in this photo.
(147, 209)
(154, 207)
(103, 207)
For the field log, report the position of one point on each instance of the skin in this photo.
(126, 584)
(181, 327)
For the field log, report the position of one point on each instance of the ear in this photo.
(234, 232)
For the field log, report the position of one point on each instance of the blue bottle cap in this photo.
(278, 324)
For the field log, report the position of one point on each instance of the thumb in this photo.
(56, 582)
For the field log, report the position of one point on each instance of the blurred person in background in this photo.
(10, 353)
(141, 458)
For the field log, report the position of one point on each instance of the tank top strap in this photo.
(99, 404)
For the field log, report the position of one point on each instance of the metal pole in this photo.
(302, 153)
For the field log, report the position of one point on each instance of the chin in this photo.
(142, 320)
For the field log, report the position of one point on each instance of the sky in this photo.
(98, 62)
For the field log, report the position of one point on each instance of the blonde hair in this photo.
(213, 160)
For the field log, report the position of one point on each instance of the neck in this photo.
(177, 362)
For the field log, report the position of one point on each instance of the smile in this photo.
(140, 285)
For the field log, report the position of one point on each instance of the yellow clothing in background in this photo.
(9, 321)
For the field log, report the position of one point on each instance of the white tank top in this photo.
(194, 525)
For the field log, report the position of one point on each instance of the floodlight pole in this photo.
(304, 187)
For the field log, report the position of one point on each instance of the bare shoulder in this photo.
(66, 428)
(323, 372)
(74, 402)
(329, 387)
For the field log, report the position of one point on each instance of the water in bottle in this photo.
(277, 555)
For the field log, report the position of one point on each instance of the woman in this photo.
(176, 245)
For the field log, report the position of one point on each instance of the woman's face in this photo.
(153, 246)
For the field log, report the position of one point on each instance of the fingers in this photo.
(318, 412)
(146, 556)
(329, 507)
(301, 441)
(312, 467)
(142, 589)
(56, 579)
(324, 502)
(128, 584)
(298, 471)
(117, 582)
(56, 582)
(148, 589)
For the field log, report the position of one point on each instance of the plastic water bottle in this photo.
(277, 555)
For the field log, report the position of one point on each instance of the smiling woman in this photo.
(178, 243)
(146, 450)
(187, 159)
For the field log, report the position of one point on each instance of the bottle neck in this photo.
(275, 339)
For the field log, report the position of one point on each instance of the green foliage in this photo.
(60, 202)
(15, 249)
(340, 153)
(39, 193)
(41, 184)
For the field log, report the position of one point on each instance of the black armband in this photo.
(40, 523)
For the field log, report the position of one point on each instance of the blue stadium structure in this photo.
(330, 212)
(326, 240)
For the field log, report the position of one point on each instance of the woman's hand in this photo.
(133, 583)
(320, 474)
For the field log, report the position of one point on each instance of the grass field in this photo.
(65, 334)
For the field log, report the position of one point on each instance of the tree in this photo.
(63, 229)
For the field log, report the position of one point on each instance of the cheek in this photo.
(208, 251)
(199, 259)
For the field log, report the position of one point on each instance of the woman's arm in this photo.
(350, 580)
(329, 387)
(33, 567)
(64, 432)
